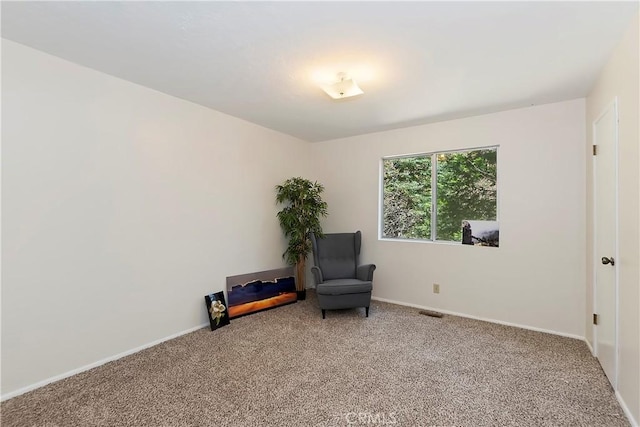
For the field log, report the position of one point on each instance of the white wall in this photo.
(122, 208)
(619, 79)
(536, 278)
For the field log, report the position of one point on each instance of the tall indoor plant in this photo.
(300, 217)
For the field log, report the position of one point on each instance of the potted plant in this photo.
(301, 216)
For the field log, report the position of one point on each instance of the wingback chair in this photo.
(341, 282)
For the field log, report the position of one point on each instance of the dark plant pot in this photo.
(302, 295)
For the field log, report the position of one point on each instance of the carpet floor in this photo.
(288, 367)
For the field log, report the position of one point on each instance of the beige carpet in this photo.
(288, 367)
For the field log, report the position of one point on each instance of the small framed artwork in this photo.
(217, 309)
(481, 233)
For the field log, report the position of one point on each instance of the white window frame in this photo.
(434, 187)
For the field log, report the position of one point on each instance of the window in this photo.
(428, 196)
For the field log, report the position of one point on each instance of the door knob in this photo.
(606, 261)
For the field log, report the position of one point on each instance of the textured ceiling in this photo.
(418, 62)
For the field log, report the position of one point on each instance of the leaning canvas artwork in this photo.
(217, 309)
(264, 290)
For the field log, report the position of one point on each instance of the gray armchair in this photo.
(340, 281)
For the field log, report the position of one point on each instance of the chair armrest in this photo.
(365, 272)
(317, 274)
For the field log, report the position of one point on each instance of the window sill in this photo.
(432, 242)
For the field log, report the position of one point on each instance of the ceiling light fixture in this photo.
(344, 87)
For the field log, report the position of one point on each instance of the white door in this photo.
(605, 135)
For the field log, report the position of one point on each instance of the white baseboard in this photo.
(590, 347)
(626, 410)
(53, 379)
(469, 316)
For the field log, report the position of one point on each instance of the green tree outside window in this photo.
(466, 189)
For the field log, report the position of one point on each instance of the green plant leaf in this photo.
(300, 216)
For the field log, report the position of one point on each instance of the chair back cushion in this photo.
(337, 255)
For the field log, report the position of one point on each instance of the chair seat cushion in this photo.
(343, 287)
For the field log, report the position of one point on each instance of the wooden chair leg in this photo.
(323, 313)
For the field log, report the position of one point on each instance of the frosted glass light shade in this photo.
(342, 89)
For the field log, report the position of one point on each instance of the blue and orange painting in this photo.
(258, 295)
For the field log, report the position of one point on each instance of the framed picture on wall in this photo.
(481, 233)
(217, 310)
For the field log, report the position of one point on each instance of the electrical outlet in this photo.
(436, 288)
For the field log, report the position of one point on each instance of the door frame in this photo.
(596, 259)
